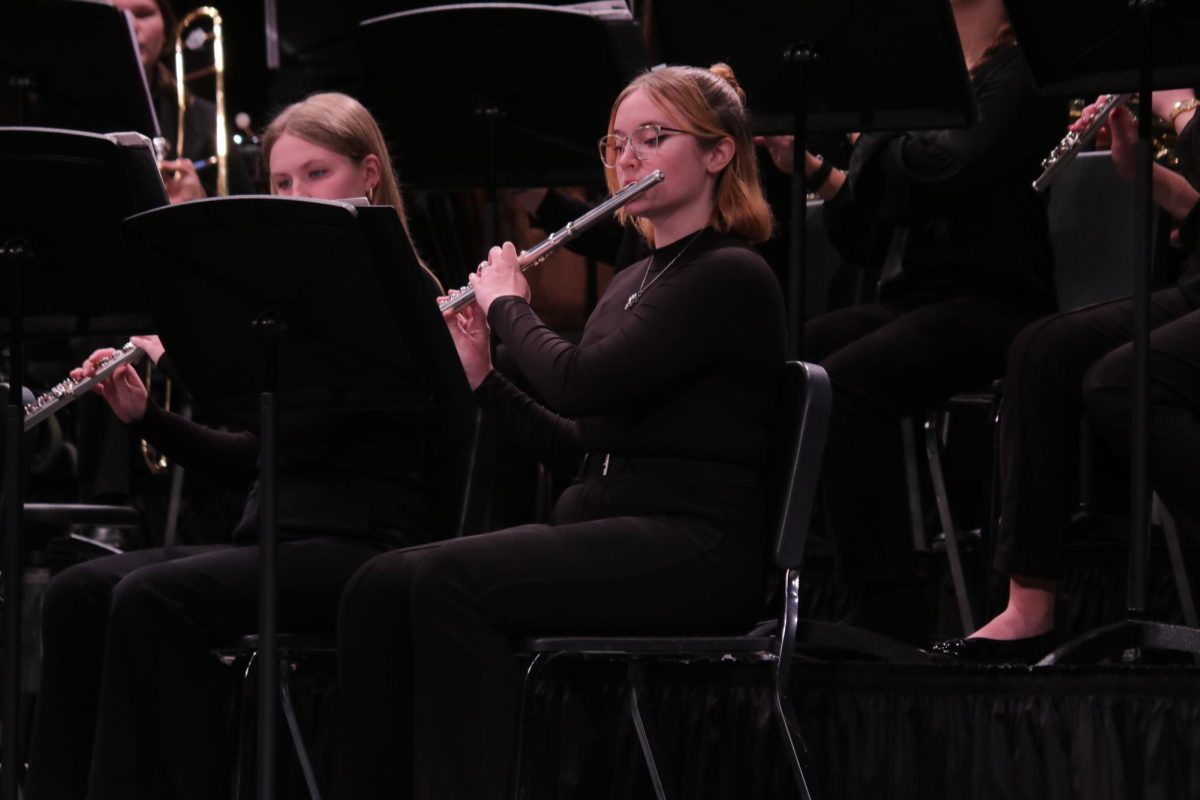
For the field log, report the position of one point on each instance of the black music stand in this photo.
(854, 65)
(316, 306)
(72, 64)
(62, 200)
(486, 101)
(1090, 47)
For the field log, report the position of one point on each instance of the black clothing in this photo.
(975, 267)
(351, 485)
(647, 547)
(1081, 359)
(975, 226)
(1044, 399)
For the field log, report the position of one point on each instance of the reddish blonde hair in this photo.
(711, 106)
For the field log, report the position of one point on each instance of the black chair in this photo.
(243, 656)
(800, 426)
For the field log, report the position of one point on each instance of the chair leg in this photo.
(934, 452)
(519, 744)
(239, 707)
(289, 714)
(636, 672)
(1182, 583)
(789, 729)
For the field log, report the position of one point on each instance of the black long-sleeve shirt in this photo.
(389, 477)
(691, 371)
(1188, 147)
(975, 224)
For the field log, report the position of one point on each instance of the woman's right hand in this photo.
(472, 339)
(122, 390)
(1124, 139)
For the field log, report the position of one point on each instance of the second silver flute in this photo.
(1073, 142)
(538, 253)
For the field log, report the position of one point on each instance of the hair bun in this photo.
(725, 72)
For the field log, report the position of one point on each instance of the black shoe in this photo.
(1029, 650)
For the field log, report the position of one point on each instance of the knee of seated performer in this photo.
(77, 596)
(378, 588)
(1043, 347)
(138, 601)
(441, 578)
(1106, 396)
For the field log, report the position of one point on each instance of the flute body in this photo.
(68, 391)
(540, 251)
(1074, 141)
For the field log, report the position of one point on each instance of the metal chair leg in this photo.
(519, 744)
(289, 714)
(636, 671)
(934, 453)
(789, 729)
(239, 706)
(1183, 584)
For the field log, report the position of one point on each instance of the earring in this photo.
(371, 194)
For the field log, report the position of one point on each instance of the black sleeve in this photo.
(916, 175)
(228, 456)
(548, 437)
(666, 336)
(602, 243)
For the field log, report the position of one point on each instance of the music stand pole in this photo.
(799, 57)
(14, 255)
(1136, 600)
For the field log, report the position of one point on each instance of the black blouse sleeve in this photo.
(921, 174)
(665, 337)
(232, 456)
(550, 438)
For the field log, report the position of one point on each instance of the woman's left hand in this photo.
(499, 276)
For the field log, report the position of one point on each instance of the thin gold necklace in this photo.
(636, 296)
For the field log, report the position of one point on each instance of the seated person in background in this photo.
(1061, 365)
(132, 703)
(970, 264)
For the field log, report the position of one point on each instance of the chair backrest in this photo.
(798, 445)
(1091, 228)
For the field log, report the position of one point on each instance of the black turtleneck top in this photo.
(690, 371)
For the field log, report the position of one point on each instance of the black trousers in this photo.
(1061, 365)
(429, 681)
(886, 362)
(130, 692)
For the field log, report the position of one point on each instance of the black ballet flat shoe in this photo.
(1029, 650)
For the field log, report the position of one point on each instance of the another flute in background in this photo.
(540, 251)
(1074, 141)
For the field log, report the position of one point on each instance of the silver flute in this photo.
(540, 251)
(1074, 141)
(69, 390)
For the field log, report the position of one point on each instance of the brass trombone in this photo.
(193, 40)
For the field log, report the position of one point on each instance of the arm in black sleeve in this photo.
(921, 174)
(549, 437)
(232, 456)
(665, 337)
(860, 235)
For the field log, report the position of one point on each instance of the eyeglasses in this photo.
(644, 140)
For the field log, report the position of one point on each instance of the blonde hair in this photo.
(340, 123)
(712, 106)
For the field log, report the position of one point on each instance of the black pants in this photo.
(887, 362)
(1060, 365)
(129, 689)
(429, 681)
